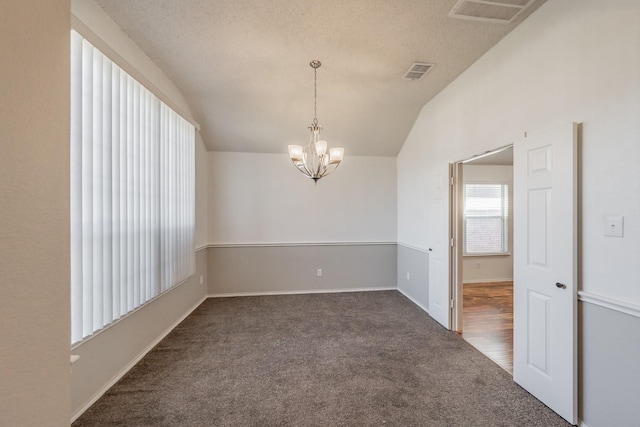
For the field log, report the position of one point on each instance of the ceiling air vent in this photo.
(498, 11)
(418, 70)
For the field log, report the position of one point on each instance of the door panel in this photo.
(545, 273)
(539, 323)
(538, 241)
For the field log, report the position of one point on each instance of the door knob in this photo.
(561, 285)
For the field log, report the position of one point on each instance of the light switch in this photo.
(613, 226)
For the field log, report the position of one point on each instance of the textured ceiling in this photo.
(243, 65)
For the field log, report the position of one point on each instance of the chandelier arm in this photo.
(322, 167)
(301, 167)
(304, 168)
(318, 171)
(300, 164)
(331, 169)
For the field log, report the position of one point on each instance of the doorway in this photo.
(545, 247)
(483, 223)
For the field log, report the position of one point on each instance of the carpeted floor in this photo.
(348, 359)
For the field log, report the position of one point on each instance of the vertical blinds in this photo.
(132, 193)
(486, 208)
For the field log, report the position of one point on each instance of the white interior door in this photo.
(545, 268)
(439, 253)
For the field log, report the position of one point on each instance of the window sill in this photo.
(488, 254)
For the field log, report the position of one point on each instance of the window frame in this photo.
(504, 218)
(163, 194)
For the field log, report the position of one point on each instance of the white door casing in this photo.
(456, 206)
(545, 267)
(439, 254)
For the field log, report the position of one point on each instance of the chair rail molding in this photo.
(610, 303)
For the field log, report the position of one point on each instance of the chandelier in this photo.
(313, 160)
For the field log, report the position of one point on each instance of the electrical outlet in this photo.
(201, 279)
(319, 272)
(408, 276)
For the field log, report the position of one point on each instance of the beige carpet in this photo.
(350, 359)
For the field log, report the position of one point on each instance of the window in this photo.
(486, 219)
(132, 193)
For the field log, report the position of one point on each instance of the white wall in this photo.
(34, 213)
(490, 268)
(572, 60)
(273, 228)
(262, 198)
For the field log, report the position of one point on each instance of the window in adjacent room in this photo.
(132, 193)
(486, 218)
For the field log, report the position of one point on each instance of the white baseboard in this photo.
(301, 292)
(132, 363)
(582, 423)
(414, 301)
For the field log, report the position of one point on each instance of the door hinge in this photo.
(453, 242)
(452, 303)
(452, 180)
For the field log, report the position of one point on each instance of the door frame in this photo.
(455, 254)
(456, 202)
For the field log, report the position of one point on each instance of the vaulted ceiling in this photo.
(243, 65)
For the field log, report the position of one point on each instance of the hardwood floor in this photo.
(488, 320)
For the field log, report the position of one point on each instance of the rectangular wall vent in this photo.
(418, 70)
(497, 11)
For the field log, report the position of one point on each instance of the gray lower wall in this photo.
(609, 367)
(416, 263)
(109, 354)
(282, 269)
